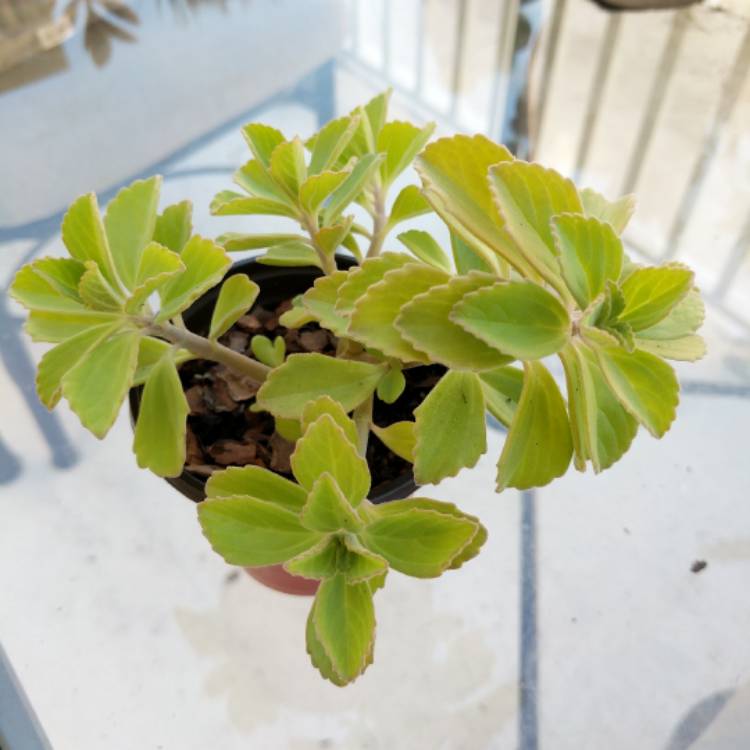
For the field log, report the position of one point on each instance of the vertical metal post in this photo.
(662, 77)
(506, 35)
(609, 40)
(458, 56)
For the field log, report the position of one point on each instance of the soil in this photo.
(222, 431)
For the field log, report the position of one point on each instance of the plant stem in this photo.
(309, 224)
(379, 225)
(213, 350)
(362, 417)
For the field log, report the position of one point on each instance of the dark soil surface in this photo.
(222, 431)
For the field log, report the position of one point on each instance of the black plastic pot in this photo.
(276, 285)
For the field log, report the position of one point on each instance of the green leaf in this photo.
(362, 277)
(518, 318)
(54, 327)
(130, 223)
(254, 481)
(318, 656)
(651, 293)
(329, 238)
(330, 141)
(419, 542)
(590, 255)
(326, 405)
(288, 165)
(269, 353)
(150, 352)
(233, 241)
(296, 316)
(157, 266)
(314, 190)
(465, 259)
(60, 359)
(377, 111)
(450, 428)
(174, 225)
(423, 246)
(290, 254)
(96, 292)
(397, 507)
(325, 448)
(686, 317)
(616, 213)
(236, 296)
(409, 204)
(251, 532)
(305, 377)
(454, 176)
(539, 445)
(159, 442)
(502, 392)
(352, 186)
(400, 437)
(205, 266)
(373, 317)
(228, 203)
(84, 237)
(392, 385)
(528, 196)
(254, 178)
(37, 287)
(327, 509)
(401, 142)
(96, 386)
(262, 140)
(321, 298)
(318, 562)
(686, 349)
(289, 429)
(426, 324)
(643, 383)
(602, 430)
(344, 623)
(359, 564)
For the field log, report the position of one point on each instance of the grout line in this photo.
(528, 719)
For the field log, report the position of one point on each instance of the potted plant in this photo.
(328, 382)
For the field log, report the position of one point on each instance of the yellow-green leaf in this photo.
(288, 165)
(401, 142)
(236, 297)
(685, 349)
(96, 291)
(306, 377)
(518, 318)
(325, 447)
(590, 255)
(400, 437)
(616, 213)
(321, 298)
(344, 623)
(262, 140)
(502, 391)
(315, 189)
(426, 324)
(205, 264)
(539, 445)
(392, 385)
(159, 441)
(409, 204)
(362, 277)
(327, 509)
(36, 285)
(174, 225)
(290, 254)
(450, 428)
(686, 317)
(84, 236)
(643, 383)
(96, 386)
(424, 246)
(419, 541)
(527, 197)
(252, 532)
(454, 176)
(651, 293)
(130, 223)
(373, 317)
(326, 405)
(352, 186)
(157, 266)
(330, 141)
(257, 482)
(55, 363)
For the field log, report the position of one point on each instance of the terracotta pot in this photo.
(276, 284)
